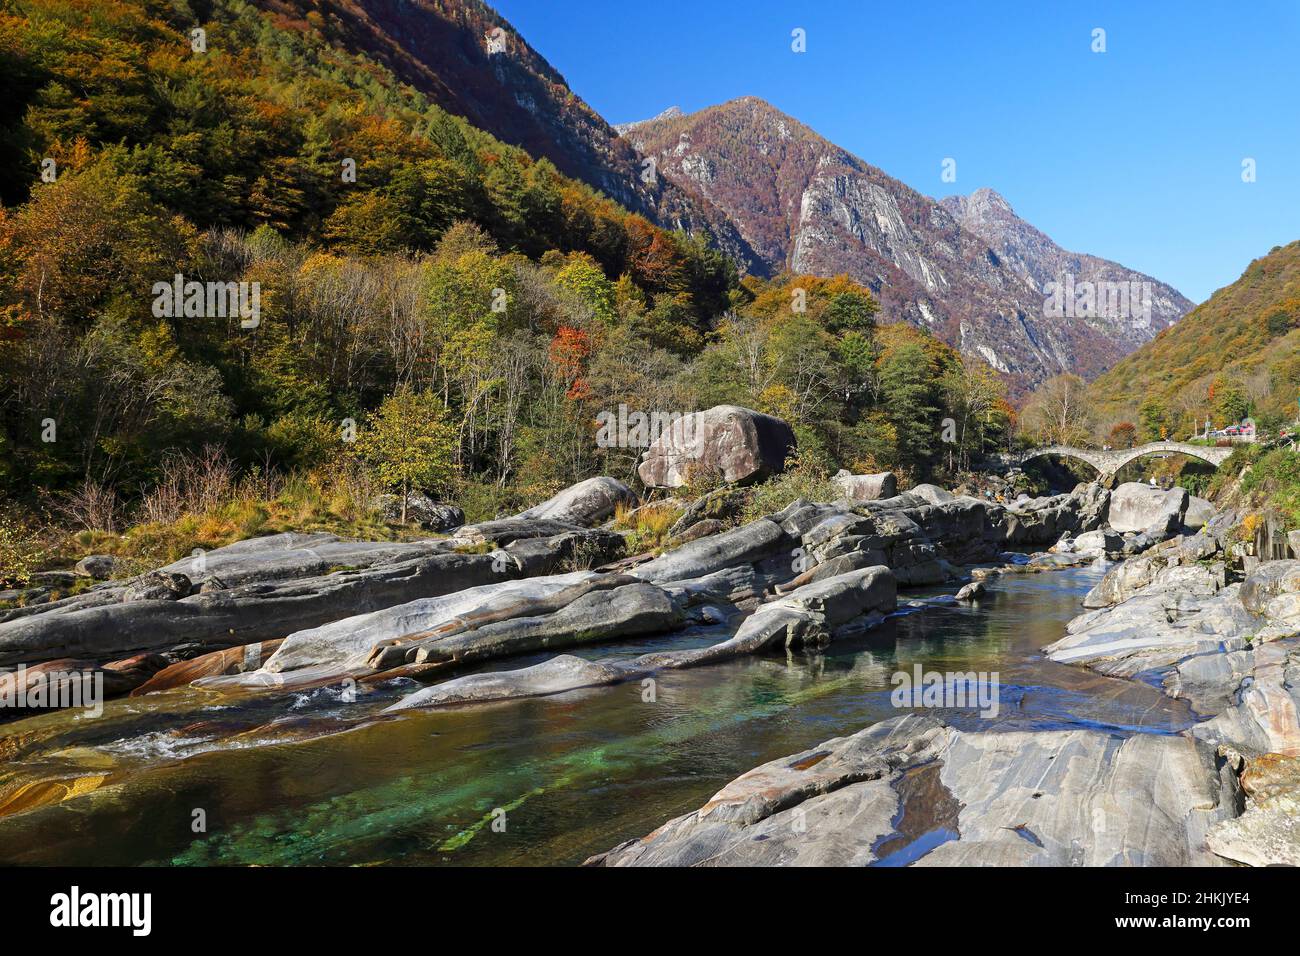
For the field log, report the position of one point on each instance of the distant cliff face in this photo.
(1036, 257)
(470, 61)
(966, 269)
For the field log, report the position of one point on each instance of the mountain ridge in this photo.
(808, 205)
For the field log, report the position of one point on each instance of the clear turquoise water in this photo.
(311, 779)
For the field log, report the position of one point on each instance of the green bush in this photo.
(801, 479)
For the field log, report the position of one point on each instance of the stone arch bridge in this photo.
(1107, 463)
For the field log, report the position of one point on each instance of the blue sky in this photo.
(1134, 154)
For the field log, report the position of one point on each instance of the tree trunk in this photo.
(404, 497)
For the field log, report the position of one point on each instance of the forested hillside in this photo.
(515, 303)
(1237, 354)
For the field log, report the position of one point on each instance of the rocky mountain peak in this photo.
(967, 269)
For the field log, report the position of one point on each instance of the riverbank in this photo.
(417, 732)
(1224, 790)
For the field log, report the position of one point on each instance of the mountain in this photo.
(966, 269)
(467, 59)
(1033, 255)
(1245, 339)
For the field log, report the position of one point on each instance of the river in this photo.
(187, 777)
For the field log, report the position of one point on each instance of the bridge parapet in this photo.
(1106, 462)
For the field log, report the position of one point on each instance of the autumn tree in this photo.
(1123, 435)
(1058, 412)
(410, 443)
(975, 396)
(1153, 420)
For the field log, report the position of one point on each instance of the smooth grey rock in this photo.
(1099, 540)
(502, 532)
(554, 676)
(348, 642)
(1081, 798)
(1271, 579)
(99, 567)
(932, 493)
(1093, 505)
(1198, 514)
(1049, 798)
(422, 511)
(867, 487)
(157, 586)
(807, 617)
(1136, 636)
(829, 805)
(972, 592)
(587, 503)
(291, 556)
(736, 444)
(744, 545)
(635, 609)
(1135, 506)
(239, 615)
(1268, 833)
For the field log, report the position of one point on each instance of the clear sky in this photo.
(1134, 154)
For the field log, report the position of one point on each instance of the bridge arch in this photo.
(1106, 463)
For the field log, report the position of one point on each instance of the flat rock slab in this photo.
(290, 556)
(1139, 636)
(241, 615)
(1081, 797)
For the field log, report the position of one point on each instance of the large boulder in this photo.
(1266, 589)
(1041, 520)
(1137, 507)
(586, 503)
(867, 487)
(734, 443)
(1094, 505)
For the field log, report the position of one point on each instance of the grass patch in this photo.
(801, 479)
(645, 528)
